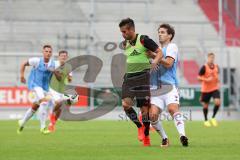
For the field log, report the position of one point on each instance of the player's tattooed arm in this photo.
(22, 71)
(151, 54)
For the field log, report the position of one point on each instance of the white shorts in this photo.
(37, 93)
(166, 99)
(56, 96)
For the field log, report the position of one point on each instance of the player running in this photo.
(137, 78)
(208, 75)
(166, 77)
(57, 86)
(38, 84)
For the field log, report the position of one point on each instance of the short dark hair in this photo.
(169, 28)
(47, 46)
(127, 21)
(211, 54)
(62, 52)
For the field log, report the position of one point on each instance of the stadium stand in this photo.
(24, 29)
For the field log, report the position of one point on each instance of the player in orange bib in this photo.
(208, 75)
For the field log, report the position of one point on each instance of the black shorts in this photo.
(206, 96)
(137, 85)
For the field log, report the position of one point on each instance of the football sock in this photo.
(146, 123)
(157, 125)
(179, 123)
(30, 112)
(215, 110)
(43, 114)
(133, 116)
(205, 113)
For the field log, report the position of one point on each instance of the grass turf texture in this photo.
(117, 140)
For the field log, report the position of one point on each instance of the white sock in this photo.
(179, 123)
(157, 125)
(30, 112)
(43, 113)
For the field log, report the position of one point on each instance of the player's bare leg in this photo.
(154, 113)
(178, 121)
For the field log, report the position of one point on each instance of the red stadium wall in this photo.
(190, 71)
(210, 8)
(21, 97)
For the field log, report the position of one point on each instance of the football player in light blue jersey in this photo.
(38, 84)
(164, 85)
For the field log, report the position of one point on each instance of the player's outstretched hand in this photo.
(23, 80)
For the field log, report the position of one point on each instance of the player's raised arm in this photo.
(22, 71)
(30, 62)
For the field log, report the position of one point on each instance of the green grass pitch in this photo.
(117, 140)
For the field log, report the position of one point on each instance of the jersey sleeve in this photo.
(148, 43)
(202, 70)
(34, 61)
(172, 51)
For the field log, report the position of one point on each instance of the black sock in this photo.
(215, 109)
(205, 113)
(146, 123)
(133, 116)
